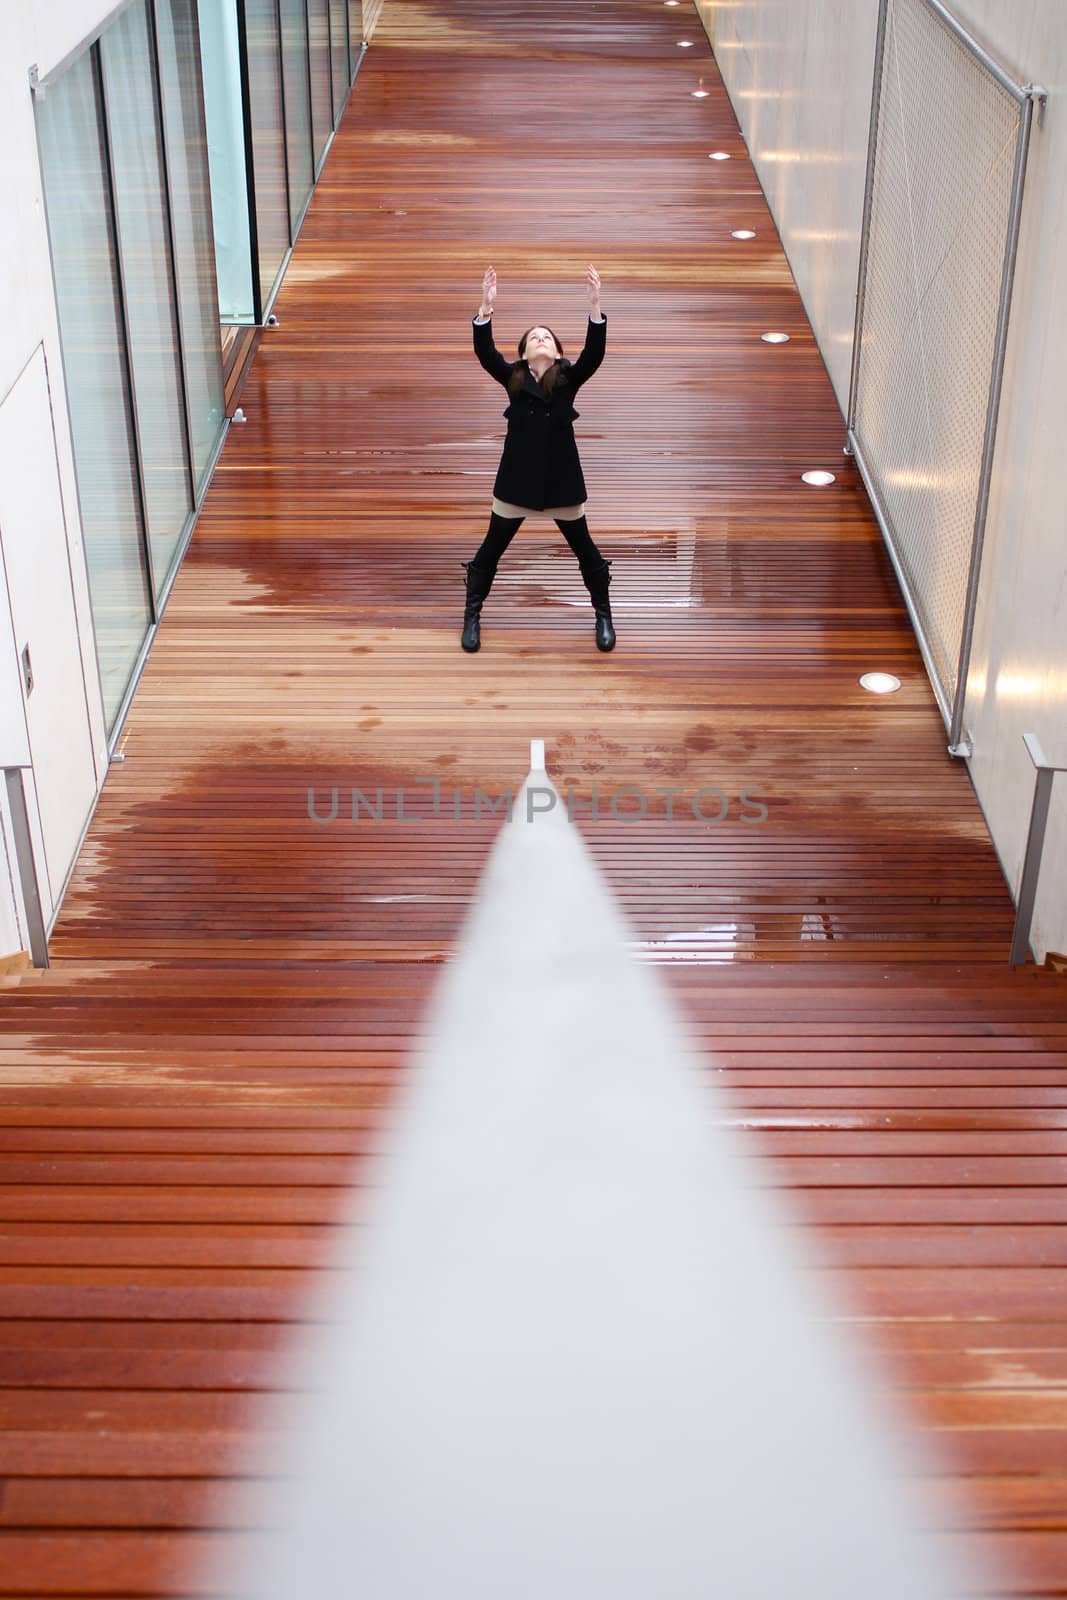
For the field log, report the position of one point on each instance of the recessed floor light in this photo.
(743, 233)
(818, 478)
(719, 155)
(775, 338)
(700, 94)
(685, 44)
(880, 682)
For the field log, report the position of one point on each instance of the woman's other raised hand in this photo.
(488, 290)
(592, 289)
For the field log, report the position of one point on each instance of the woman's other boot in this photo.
(596, 579)
(481, 570)
(479, 582)
(596, 575)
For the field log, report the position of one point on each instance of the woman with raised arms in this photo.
(540, 471)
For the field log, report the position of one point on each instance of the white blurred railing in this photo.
(579, 1357)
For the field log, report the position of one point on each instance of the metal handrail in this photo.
(1035, 843)
(31, 892)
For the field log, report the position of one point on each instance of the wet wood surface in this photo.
(186, 1096)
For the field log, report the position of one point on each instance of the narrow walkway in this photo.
(236, 985)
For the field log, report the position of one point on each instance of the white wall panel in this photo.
(43, 32)
(1019, 666)
(37, 566)
(799, 77)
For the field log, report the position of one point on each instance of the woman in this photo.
(540, 472)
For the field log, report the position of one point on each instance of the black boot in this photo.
(596, 580)
(479, 582)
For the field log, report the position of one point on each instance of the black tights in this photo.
(503, 529)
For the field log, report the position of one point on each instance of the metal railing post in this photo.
(1035, 843)
(31, 894)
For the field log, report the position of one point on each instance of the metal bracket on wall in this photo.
(1040, 98)
(31, 893)
(1035, 842)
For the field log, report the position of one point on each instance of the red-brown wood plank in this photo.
(187, 1095)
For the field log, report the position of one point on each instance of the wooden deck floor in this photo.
(236, 986)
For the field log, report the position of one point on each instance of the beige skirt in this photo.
(558, 513)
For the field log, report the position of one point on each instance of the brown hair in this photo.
(551, 375)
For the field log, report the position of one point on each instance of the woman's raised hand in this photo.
(489, 288)
(592, 287)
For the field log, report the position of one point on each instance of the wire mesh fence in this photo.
(941, 193)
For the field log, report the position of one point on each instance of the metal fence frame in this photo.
(1027, 96)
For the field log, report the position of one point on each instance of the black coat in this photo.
(540, 466)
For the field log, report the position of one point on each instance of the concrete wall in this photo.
(799, 76)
